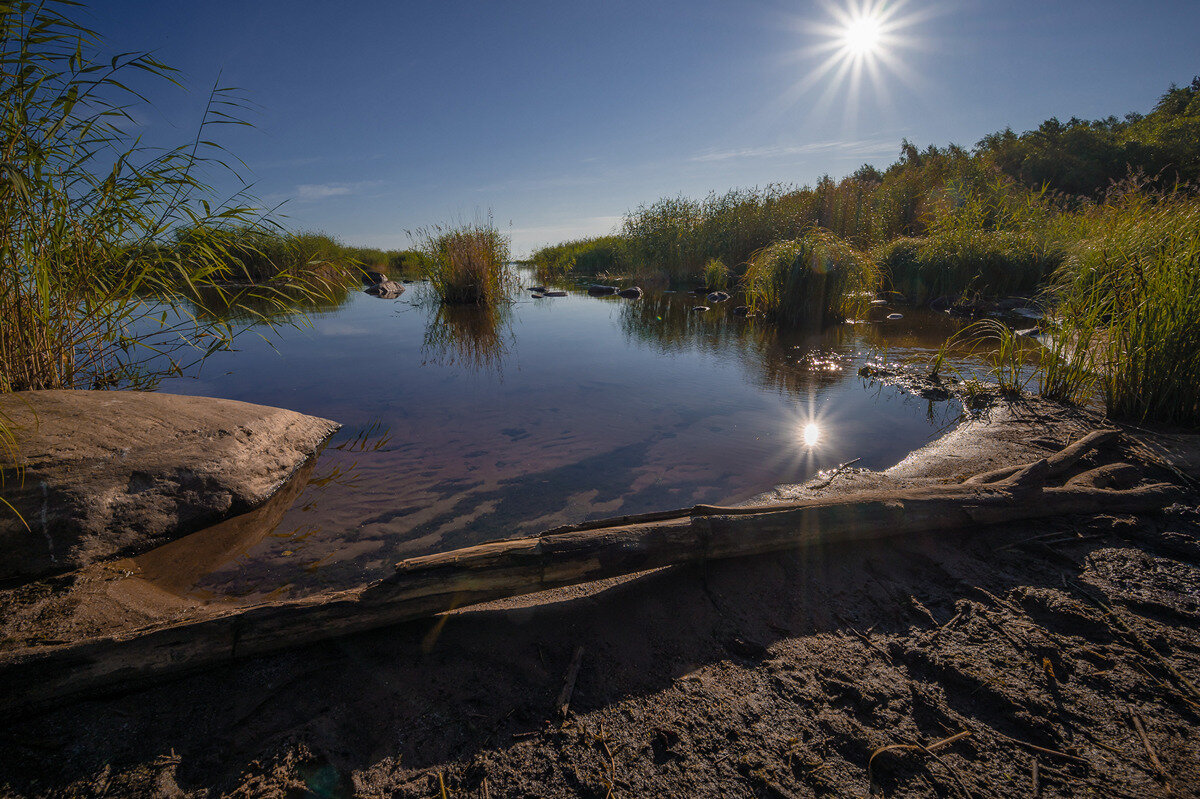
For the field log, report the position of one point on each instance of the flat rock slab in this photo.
(113, 473)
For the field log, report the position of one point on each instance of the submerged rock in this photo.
(718, 296)
(700, 308)
(895, 316)
(597, 290)
(105, 473)
(386, 289)
(554, 294)
(538, 289)
(537, 296)
(630, 293)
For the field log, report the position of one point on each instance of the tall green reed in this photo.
(88, 213)
(1128, 307)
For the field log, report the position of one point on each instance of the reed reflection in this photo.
(795, 362)
(474, 336)
(250, 304)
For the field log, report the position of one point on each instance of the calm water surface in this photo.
(459, 427)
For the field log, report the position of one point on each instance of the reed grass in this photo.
(1128, 309)
(1013, 362)
(589, 257)
(813, 279)
(716, 274)
(963, 261)
(89, 215)
(467, 264)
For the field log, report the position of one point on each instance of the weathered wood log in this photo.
(424, 586)
(427, 585)
(1059, 463)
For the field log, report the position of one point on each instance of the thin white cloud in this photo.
(319, 191)
(855, 147)
(312, 192)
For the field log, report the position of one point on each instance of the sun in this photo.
(859, 48)
(863, 35)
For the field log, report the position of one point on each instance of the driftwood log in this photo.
(424, 586)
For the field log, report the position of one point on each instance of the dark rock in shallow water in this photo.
(538, 289)
(537, 296)
(554, 294)
(387, 289)
(895, 316)
(630, 293)
(109, 473)
(718, 296)
(596, 290)
(407, 281)
(700, 308)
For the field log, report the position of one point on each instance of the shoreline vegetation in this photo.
(1097, 222)
(119, 262)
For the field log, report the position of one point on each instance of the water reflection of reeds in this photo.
(790, 360)
(248, 304)
(474, 336)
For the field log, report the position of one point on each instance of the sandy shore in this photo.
(1054, 659)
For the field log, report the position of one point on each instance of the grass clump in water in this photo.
(815, 279)
(467, 264)
(716, 274)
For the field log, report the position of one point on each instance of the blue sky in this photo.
(372, 118)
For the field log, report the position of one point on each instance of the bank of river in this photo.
(1052, 657)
